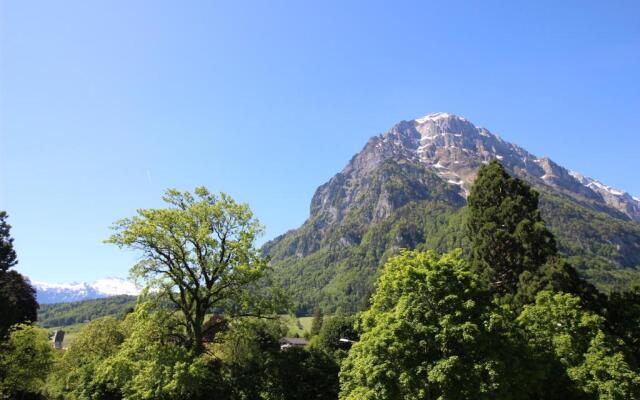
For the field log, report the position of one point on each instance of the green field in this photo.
(70, 331)
(298, 326)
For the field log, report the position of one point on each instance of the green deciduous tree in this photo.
(200, 254)
(506, 231)
(426, 336)
(25, 360)
(74, 375)
(568, 341)
(151, 364)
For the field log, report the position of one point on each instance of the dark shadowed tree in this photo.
(17, 301)
(337, 335)
(623, 319)
(17, 297)
(316, 323)
(506, 231)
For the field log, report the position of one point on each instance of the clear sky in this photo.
(105, 104)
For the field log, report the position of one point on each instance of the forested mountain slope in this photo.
(407, 189)
(62, 314)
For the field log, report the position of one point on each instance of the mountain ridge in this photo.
(50, 293)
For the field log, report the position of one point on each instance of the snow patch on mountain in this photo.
(455, 148)
(47, 292)
(437, 116)
(599, 186)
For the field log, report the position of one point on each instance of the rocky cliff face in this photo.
(455, 148)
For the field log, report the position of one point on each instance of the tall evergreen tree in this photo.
(8, 256)
(17, 296)
(506, 231)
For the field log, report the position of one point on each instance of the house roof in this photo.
(296, 341)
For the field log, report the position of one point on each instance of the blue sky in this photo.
(103, 105)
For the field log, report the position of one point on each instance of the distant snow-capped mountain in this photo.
(47, 293)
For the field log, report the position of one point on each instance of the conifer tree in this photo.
(316, 323)
(505, 229)
(8, 257)
(17, 296)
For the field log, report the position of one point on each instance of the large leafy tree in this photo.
(25, 360)
(427, 336)
(506, 231)
(200, 254)
(573, 354)
(17, 297)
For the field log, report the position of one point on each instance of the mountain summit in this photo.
(406, 189)
(455, 148)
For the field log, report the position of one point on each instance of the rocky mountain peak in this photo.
(455, 148)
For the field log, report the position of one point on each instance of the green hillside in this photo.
(65, 314)
(340, 269)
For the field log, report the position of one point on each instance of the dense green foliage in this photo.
(426, 336)
(25, 361)
(568, 343)
(433, 331)
(63, 314)
(139, 359)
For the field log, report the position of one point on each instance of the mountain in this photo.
(48, 293)
(407, 189)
